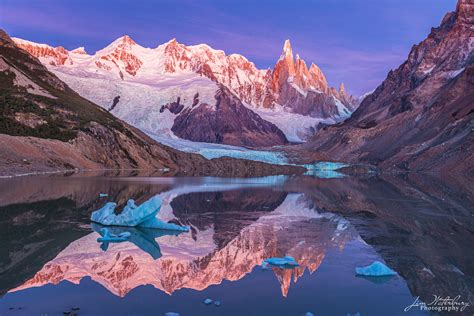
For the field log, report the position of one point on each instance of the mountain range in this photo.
(419, 118)
(199, 93)
(46, 126)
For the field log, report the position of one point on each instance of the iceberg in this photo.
(171, 314)
(377, 268)
(133, 216)
(106, 236)
(217, 303)
(286, 262)
(207, 301)
(143, 238)
(309, 314)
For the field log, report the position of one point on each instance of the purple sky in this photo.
(353, 41)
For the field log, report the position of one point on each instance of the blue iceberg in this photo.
(286, 262)
(207, 301)
(217, 303)
(171, 314)
(309, 314)
(143, 238)
(133, 215)
(106, 236)
(377, 268)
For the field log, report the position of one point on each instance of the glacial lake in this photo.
(421, 226)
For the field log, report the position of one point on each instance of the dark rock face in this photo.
(228, 122)
(421, 117)
(312, 104)
(173, 107)
(114, 103)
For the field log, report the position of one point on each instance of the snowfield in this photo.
(140, 102)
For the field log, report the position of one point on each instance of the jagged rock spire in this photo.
(287, 51)
(342, 89)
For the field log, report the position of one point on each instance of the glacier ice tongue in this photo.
(377, 268)
(286, 262)
(133, 215)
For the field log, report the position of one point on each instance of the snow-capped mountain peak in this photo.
(80, 50)
(53, 56)
(287, 51)
(148, 79)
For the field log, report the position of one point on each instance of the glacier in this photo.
(325, 169)
(377, 268)
(211, 150)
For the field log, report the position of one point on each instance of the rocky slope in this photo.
(46, 126)
(422, 115)
(229, 122)
(140, 85)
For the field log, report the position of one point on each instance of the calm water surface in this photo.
(420, 226)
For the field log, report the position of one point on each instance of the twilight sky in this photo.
(353, 41)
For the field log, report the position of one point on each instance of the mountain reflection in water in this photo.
(420, 227)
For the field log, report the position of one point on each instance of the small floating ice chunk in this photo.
(103, 194)
(171, 314)
(208, 301)
(455, 269)
(287, 262)
(377, 268)
(309, 314)
(217, 303)
(428, 271)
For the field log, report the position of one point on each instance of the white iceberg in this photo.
(134, 216)
(377, 268)
(285, 262)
